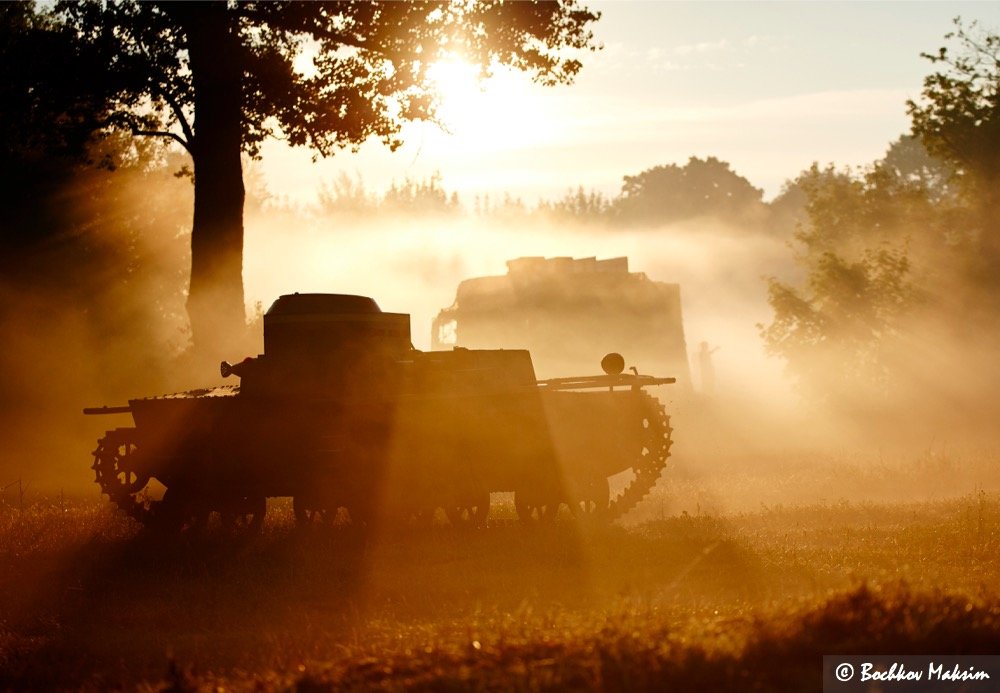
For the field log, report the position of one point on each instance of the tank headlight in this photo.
(613, 363)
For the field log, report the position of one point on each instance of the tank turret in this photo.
(325, 343)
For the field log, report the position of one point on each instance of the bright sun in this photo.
(489, 114)
(461, 92)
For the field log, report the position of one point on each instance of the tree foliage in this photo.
(905, 195)
(326, 75)
(957, 119)
(346, 196)
(42, 114)
(909, 164)
(958, 115)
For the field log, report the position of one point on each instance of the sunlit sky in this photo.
(769, 87)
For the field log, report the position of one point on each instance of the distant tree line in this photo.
(705, 189)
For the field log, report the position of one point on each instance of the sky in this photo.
(769, 87)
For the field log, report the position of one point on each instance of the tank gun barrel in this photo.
(89, 411)
(609, 381)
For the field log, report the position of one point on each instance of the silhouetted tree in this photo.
(700, 188)
(957, 119)
(218, 78)
(902, 197)
(900, 258)
(511, 209)
(100, 246)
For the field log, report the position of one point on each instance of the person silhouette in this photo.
(706, 368)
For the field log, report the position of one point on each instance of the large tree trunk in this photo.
(215, 301)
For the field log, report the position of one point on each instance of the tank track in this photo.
(651, 460)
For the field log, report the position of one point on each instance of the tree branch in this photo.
(162, 133)
(175, 106)
(125, 120)
(181, 118)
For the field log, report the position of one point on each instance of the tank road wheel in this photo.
(178, 511)
(529, 509)
(472, 513)
(117, 473)
(244, 515)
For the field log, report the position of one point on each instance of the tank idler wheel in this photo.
(244, 515)
(474, 513)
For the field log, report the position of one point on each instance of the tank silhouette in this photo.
(341, 413)
(564, 310)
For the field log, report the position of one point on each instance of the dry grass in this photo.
(743, 599)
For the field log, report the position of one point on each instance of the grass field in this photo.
(736, 576)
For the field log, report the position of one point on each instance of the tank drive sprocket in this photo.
(651, 460)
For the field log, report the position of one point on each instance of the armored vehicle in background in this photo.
(342, 414)
(563, 310)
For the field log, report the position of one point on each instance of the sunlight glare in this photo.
(500, 112)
